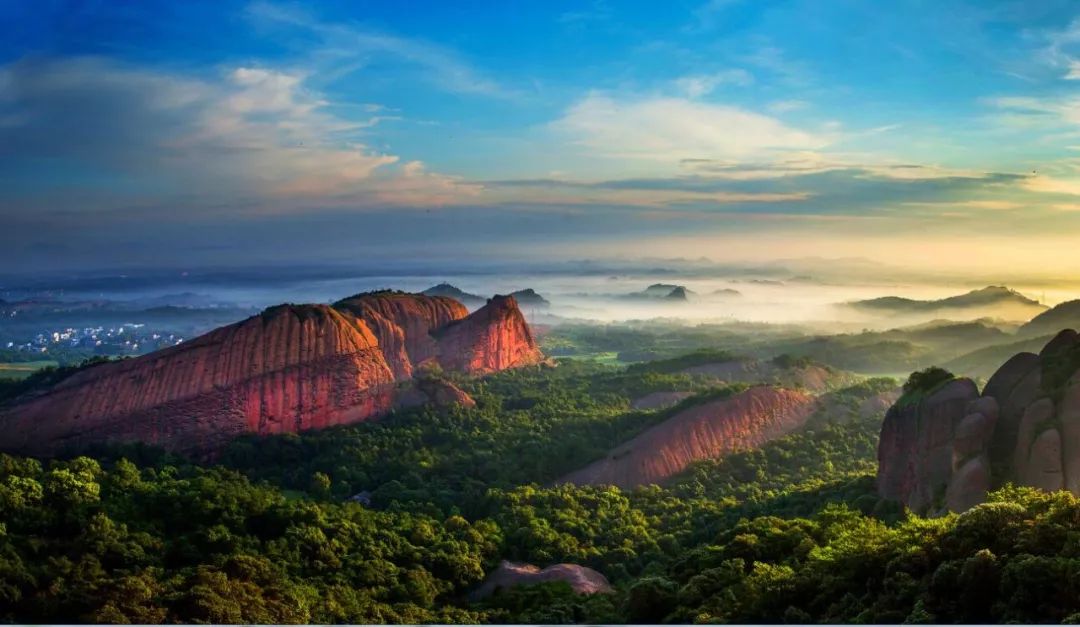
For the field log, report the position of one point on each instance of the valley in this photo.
(398, 457)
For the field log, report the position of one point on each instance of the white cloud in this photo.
(1066, 109)
(703, 84)
(675, 128)
(250, 134)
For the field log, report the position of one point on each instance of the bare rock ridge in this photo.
(288, 369)
(582, 580)
(743, 421)
(943, 449)
(494, 337)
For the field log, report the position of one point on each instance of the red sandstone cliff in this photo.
(494, 337)
(404, 324)
(290, 368)
(744, 421)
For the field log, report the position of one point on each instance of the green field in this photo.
(23, 369)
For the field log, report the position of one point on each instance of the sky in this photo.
(166, 134)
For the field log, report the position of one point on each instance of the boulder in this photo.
(969, 484)
(1069, 420)
(1022, 429)
(1013, 404)
(971, 437)
(915, 451)
(1043, 468)
(1036, 418)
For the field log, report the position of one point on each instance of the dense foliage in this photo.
(792, 532)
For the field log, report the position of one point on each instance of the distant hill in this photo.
(710, 429)
(1063, 316)
(985, 361)
(987, 300)
(529, 298)
(451, 291)
(726, 292)
(662, 292)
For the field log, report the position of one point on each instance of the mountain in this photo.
(661, 292)
(529, 298)
(287, 369)
(446, 290)
(726, 292)
(745, 420)
(1063, 316)
(989, 300)
(944, 444)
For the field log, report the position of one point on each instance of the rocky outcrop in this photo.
(1024, 428)
(582, 580)
(495, 337)
(915, 453)
(438, 392)
(744, 421)
(404, 324)
(288, 369)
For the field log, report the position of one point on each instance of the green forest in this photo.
(266, 532)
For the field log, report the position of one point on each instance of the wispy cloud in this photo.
(350, 46)
(672, 129)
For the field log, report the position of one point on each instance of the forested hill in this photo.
(790, 532)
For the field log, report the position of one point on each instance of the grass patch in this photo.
(21, 370)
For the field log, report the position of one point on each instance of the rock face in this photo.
(403, 323)
(746, 420)
(1024, 428)
(493, 338)
(918, 437)
(288, 369)
(582, 580)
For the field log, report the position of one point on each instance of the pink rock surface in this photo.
(744, 421)
(288, 369)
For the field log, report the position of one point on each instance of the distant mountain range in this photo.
(527, 297)
(991, 299)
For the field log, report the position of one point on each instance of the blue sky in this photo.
(241, 132)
